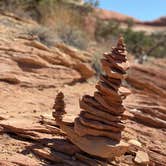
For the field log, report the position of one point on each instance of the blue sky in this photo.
(140, 9)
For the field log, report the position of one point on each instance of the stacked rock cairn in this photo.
(102, 113)
(59, 106)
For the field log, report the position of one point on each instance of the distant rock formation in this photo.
(97, 130)
(158, 22)
(109, 15)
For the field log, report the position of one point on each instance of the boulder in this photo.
(142, 158)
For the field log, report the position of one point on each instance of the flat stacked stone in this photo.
(102, 113)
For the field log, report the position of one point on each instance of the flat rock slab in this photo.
(97, 146)
(23, 125)
(28, 129)
(20, 159)
(54, 156)
(61, 145)
(6, 163)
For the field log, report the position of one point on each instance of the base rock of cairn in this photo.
(97, 130)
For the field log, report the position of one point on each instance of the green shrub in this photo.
(158, 48)
(138, 42)
(141, 43)
(72, 36)
(129, 22)
(44, 35)
(106, 29)
(96, 65)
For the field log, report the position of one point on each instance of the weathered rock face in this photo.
(149, 93)
(106, 104)
(27, 62)
(147, 103)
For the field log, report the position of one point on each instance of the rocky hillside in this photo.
(27, 54)
(31, 74)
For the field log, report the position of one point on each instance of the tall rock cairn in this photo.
(59, 107)
(102, 113)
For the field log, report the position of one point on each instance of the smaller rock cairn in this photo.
(59, 106)
(103, 112)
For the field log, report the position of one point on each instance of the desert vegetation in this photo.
(137, 41)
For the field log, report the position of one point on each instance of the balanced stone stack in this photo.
(59, 106)
(102, 113)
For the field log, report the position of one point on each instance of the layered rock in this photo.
(147, 103)
(106, 104)
(31, 63)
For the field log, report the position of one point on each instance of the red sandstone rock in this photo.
(110, 107)
(59, 106)
(110, 82)
(22, 160)
(6, 163)
(99, 113)
(148, 119)
(54, 156)
(112, 74)
(83, 130)
(98, 125)
(94, 117)
(98, 146)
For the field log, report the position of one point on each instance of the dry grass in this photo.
(57, 14)
(66, 22)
